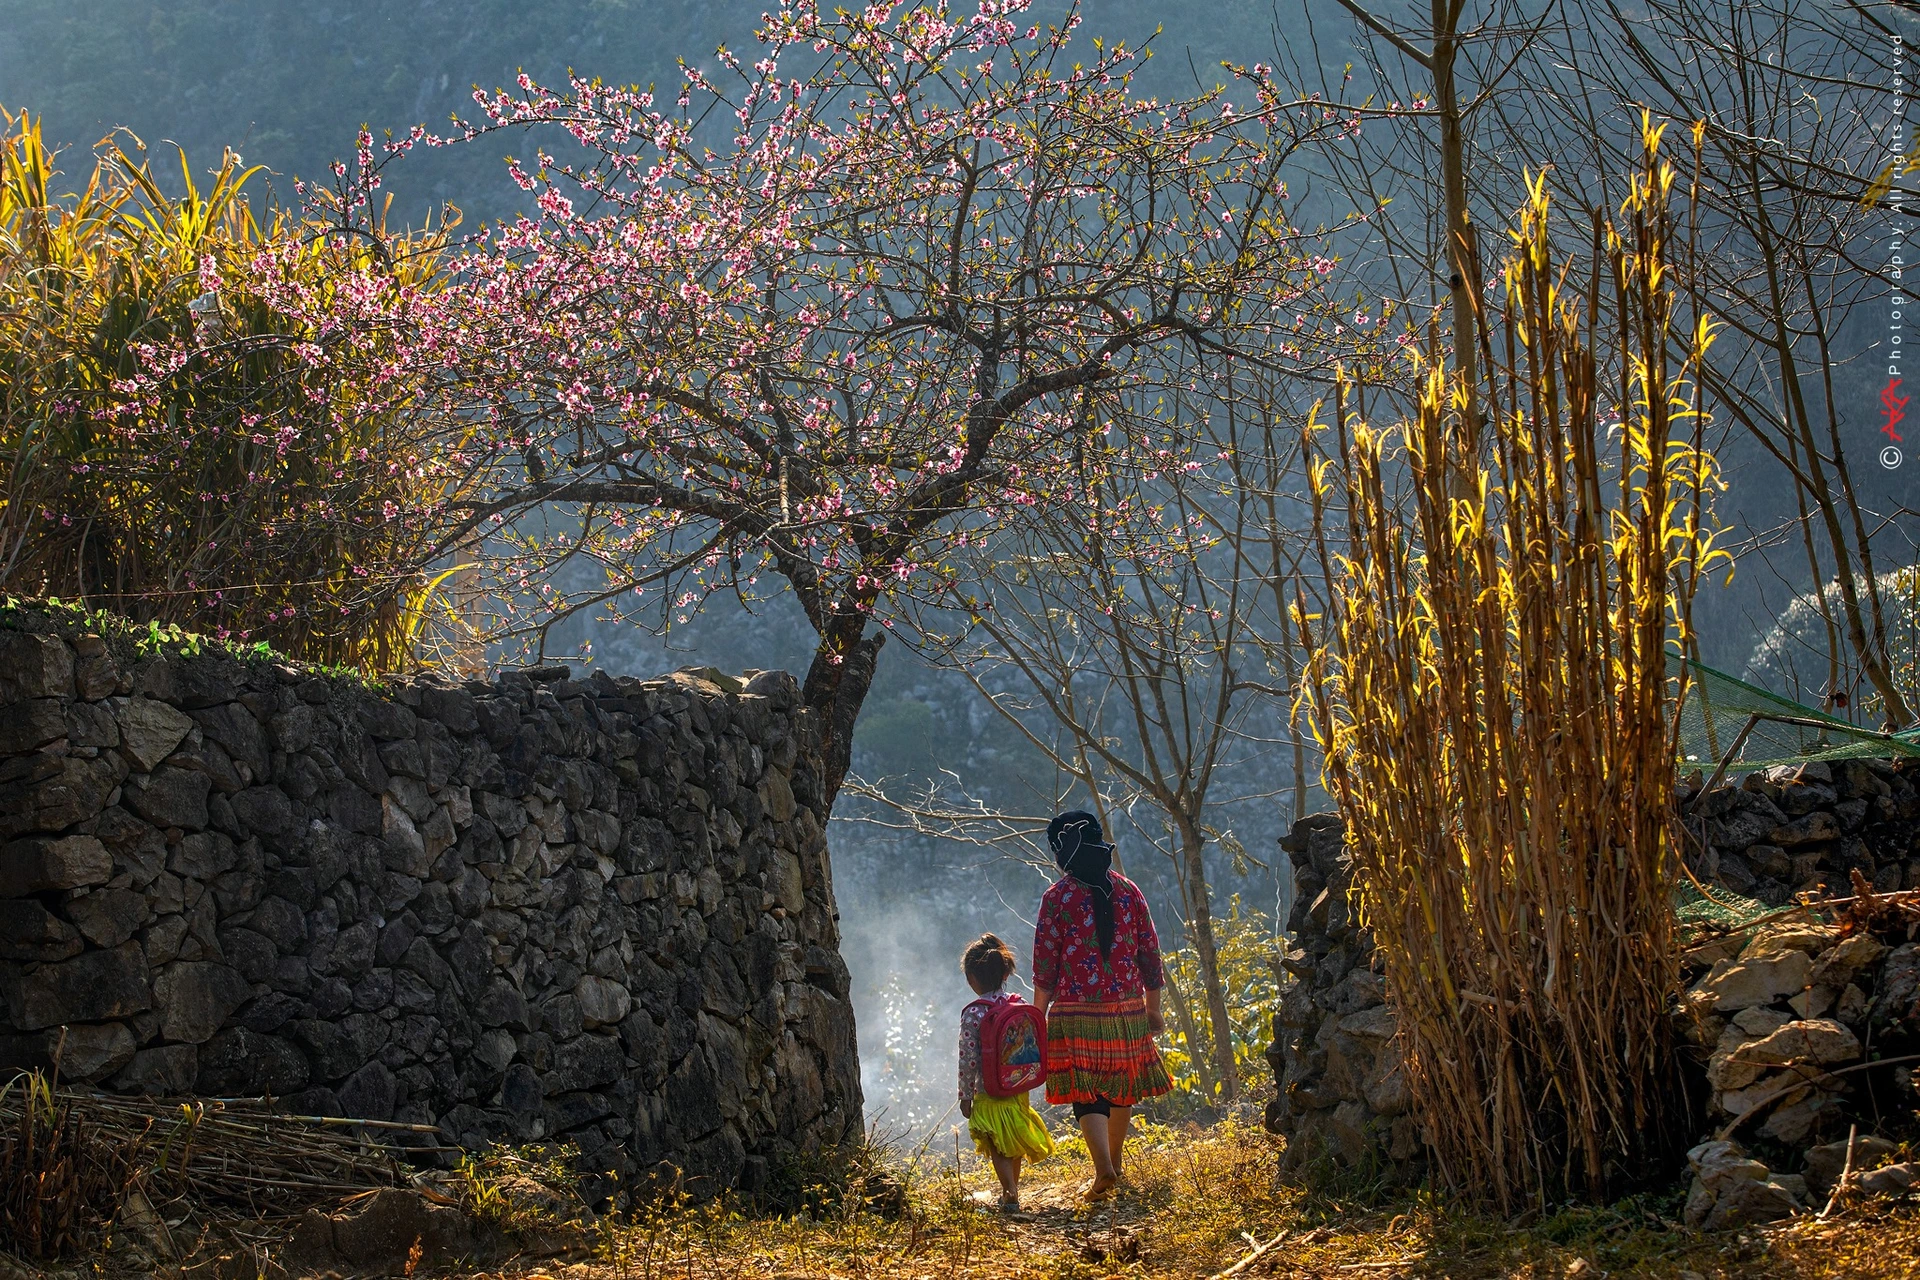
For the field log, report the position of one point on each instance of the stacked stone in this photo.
(535, 908)
(1783, 1025)
(1794, 1002)
(1806, 828)
(1342, 1096)
(1762, 1019)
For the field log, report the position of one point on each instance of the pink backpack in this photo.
(1013, 1035)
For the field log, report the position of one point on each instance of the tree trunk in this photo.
(1197, 1053)
(1459, 256)
(1193, 872)
(837, 683)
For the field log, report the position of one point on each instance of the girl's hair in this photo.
(988, 961)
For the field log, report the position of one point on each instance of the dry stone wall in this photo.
(1342, 1100)
(594, 910)
(1772, 1014)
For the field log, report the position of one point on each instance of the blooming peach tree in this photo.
(832, 314)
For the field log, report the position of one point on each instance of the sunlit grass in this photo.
(1197, 1199)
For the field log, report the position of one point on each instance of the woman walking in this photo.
(1097, 979)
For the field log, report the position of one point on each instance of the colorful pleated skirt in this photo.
(1097, 1051)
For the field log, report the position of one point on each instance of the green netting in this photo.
(1714, 906)
(1717, 709)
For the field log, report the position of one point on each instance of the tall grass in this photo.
(169, 451)
(61, 1182)
(1490, 689)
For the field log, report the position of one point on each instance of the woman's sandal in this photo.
(1094, 1190)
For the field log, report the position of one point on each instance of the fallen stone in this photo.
(1888, 1180)
(380, 1233)
(1730, 1190)
(1825, 1163)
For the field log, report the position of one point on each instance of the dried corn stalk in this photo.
(1490, 690)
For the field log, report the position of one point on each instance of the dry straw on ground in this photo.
(1492, 695)
(69, 1160)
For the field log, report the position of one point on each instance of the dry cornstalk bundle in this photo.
(67, 1159)
(1490, 689)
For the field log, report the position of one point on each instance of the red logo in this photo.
(1895, 407)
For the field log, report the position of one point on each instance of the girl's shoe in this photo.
(1101, 1189)
(1010, 1204)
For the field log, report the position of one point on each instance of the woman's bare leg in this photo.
(1117, 1140)
(1094, 1129)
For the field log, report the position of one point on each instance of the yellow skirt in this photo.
(1008, 1127)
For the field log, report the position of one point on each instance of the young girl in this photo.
(1005, 1130)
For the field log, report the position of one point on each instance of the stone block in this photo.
(243, 1063)
(195, 998)
(109, 917)
(1757, 981)
(95, 986)
(369, 1093)
(1818, 827)
(1817, 1041)
(602, 1001)
(34, 666)
(84, 1054)
(55, 793)
(171, 797)
(150, 730)
(232, 726)
(30, 932)
(33, 724)
(164, 1072)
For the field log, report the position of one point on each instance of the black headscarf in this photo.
(1081, 849)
